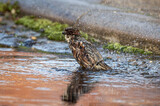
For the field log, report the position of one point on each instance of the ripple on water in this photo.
(6, 49)
(43, 88)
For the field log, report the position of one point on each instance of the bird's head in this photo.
(71, 33)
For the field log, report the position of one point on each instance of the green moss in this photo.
(52, 30)
(3, 23)
(56, 36)
(85, 35)
(14, 8)
(2, 7)
(126, 49)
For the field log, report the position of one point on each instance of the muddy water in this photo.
(28, 78)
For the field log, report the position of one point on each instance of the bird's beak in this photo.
(64, 32)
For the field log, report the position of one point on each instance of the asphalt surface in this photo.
(105, 22)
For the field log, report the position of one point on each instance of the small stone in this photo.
(11, 33)
(110, 58)
(145, 66)
(13, 26)
(13, 11)
(150, 76)
(3, 23)
(29, 43)
(41, 30)
(7, 15)
(33, 38)
(143, 62)
(145, 73)
(134, 64)
(115, 12)
(118, 57)
(131, 60)
(118, 65)
(66, 48)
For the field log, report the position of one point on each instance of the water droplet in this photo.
(115, 12)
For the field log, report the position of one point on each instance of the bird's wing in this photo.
(92, 52)
(85, 53)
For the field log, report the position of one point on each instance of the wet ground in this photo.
(30, 77)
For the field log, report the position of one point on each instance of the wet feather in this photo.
(84, 52)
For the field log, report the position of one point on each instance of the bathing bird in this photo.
(83, 51)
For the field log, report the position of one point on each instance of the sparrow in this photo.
(83, 51)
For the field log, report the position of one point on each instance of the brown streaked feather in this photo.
(85, 53)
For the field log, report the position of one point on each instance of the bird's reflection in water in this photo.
(81, 83)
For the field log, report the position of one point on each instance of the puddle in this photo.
(49, 79)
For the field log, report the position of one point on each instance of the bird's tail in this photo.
(103, 66)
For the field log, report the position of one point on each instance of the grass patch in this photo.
(126, 49)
